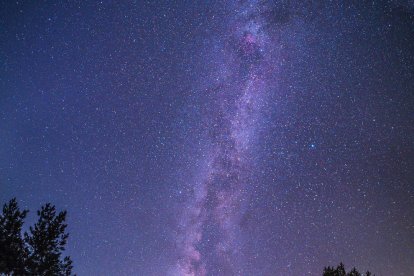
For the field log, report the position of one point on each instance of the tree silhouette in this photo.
(46, 241)
(40, 252)
(354, 272)
(340, 271)
(12, 249)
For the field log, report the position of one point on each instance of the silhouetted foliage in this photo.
(340, 271)
(354, 272)
(12, 249)
(40, 251)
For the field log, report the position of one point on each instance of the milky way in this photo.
(210, 238)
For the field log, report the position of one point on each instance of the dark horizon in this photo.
(214, 138)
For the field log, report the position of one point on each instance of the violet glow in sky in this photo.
(209, 236)
(214, 138)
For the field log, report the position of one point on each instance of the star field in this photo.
(214, 138)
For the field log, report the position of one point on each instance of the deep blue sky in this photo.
(214, 138)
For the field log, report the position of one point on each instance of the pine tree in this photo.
(340, 270)
(12, 248)
(354, 272)
(329, 271)
(46, 241)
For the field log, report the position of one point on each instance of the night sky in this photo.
(214, 138)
